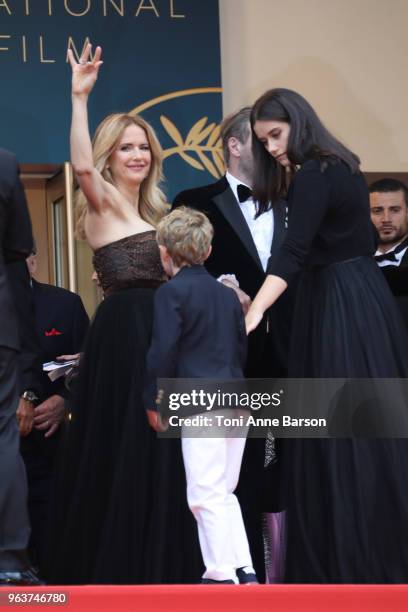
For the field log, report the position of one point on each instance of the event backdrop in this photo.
(161, 59)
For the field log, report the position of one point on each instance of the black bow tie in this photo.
(244, 193)
(386, 257)
(391, 255)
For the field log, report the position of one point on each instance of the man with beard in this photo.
(389, 213)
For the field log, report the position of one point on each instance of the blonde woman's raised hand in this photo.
(85, 72)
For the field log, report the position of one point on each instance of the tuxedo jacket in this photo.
(16, 243)
(397, 279)
(234, 252)
(198, 331)
(61, 324)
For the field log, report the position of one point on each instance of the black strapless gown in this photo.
(121, 514)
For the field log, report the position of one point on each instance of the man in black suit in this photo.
(242, 246)
(61, 323)
(389, 213)
(15, 244)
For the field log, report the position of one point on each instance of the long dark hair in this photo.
(308, 139)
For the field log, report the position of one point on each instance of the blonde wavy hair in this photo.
(187, 235)
(152, 201)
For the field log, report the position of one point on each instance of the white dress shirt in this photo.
(260, 228)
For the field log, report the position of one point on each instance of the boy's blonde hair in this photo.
(187, 236)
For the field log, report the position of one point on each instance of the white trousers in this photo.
(212, 467)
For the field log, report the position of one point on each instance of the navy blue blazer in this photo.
(198, 331)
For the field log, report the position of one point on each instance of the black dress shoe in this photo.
(26, 577)
(246, 575)
(211, 581)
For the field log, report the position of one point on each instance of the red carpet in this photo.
(197, 598)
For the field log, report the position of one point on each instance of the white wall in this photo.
(349, 58)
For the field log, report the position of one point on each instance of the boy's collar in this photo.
(197, 269)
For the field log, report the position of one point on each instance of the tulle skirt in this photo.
(347, 499)
(120, 512)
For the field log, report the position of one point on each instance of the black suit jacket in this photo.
(397, 279)
(29, 361)
(234, 252)
(16, 242)
(61, 324)
(198, 331)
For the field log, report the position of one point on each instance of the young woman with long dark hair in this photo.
(347, 499)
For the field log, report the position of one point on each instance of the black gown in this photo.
(347, 499)
(121, 513)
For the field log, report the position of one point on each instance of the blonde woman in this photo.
(110, 517)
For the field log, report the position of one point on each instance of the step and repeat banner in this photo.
(161, 59)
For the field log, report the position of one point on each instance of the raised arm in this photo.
(84, 75)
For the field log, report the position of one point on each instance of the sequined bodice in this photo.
(129, 262)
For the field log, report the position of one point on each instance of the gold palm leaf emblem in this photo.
(202, 140)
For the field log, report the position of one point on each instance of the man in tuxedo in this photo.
(242, 245)
(61, 323)
(15, 244)
(389, 213)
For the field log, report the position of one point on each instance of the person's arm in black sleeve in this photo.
(309, 204)
(18, 239)
(29, 361)
(30, 364)
(310, 201)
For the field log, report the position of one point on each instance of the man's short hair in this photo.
(187, 236)
(386, 185)
(237, 125)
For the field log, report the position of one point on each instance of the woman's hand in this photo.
(253, 319)
(85, 72)
(272, 288)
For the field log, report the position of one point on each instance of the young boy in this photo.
(199, 332)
